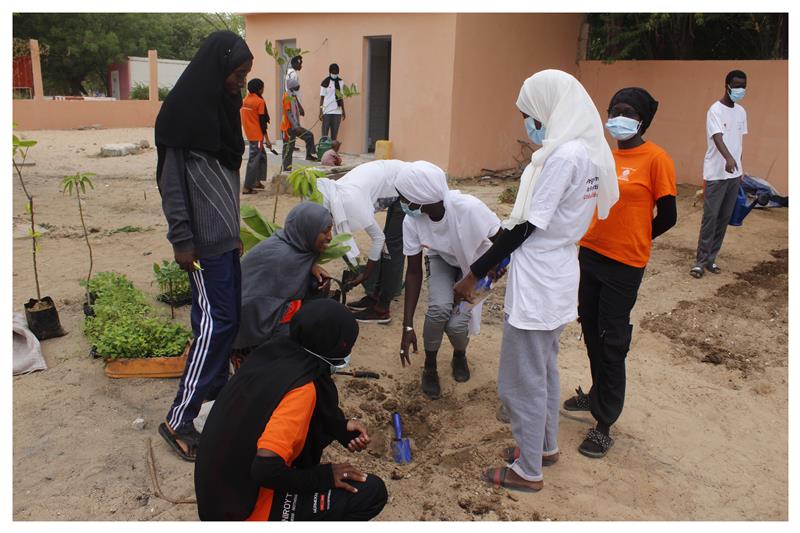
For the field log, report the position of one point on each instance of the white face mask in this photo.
(344, 361)
(334, 76)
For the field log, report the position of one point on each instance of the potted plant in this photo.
(40, 313)
(78, 183)
(173, 284)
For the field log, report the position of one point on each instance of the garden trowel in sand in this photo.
(401, 446)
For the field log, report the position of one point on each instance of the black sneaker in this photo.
(460, 369)
(430, 383)
(596, 444)
(579, 402)
(372, 316)
(364, 303)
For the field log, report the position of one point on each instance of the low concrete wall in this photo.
(72, 114)
(685, 90)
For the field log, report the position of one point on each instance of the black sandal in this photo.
(579, 402)
(188, 438)
(596, 444)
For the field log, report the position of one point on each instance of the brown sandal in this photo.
(511, 454)
(498, 477)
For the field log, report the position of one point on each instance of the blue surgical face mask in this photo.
(622, 128)
(535, 135)
(411, 212)
(736, 94)
(344, 361)
(334, 76)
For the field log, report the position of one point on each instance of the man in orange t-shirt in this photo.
(254, 121)
(613, 255)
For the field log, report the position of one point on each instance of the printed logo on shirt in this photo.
(289, 506)
(626, 174)
(592, 184)
(315, 503)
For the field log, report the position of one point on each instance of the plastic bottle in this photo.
(483, 287)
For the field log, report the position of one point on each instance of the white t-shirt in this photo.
(368, 188)
(329, 106)
(542, 291)
(422, 232)
(731, 122)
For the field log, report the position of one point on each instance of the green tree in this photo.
(688, 36)
(82, 45)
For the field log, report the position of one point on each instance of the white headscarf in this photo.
(424, 183)
(562, 105)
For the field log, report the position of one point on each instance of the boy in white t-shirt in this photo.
(331, 103)
(726, 125)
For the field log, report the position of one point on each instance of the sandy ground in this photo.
(697, 440)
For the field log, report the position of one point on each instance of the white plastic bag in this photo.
(27, 350)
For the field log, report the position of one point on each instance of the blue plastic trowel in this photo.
(401, 446)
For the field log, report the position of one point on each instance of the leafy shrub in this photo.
(140, 91)
(126, 325)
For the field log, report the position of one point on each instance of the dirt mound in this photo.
(757, 303)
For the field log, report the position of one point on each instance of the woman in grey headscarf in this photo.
(280, 272)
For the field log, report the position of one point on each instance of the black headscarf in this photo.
(198, 112)
(224, 488)
(639, 99)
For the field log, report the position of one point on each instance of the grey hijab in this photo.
(277, 271)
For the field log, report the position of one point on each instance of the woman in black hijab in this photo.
(613, 255)
(259, 455)
(199, 141)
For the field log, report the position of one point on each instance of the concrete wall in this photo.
(423, 47)
(169, 70)
(494, 54)
(71, 114)
(685, 90)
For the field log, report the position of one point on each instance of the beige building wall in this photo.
(423, 47)
(494, 54)
(685, 90)
(71, 114)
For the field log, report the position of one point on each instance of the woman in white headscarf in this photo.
(455, 229)
(570, 176)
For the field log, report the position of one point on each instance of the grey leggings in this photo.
(440, 317)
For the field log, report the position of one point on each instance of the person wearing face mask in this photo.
(613, 255)
(568, 178)
(261, 446)
(290, 125)
(331, 103)
(198, 135)
(279, 274)
(726, 125)
(455, 229)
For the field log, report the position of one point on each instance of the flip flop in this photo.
(248, 191)
(511, 454)
(496, 477)
(172, 440)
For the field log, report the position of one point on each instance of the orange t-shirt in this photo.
(285, 435)
(286, 125)
(644, 174)
(253, 106)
